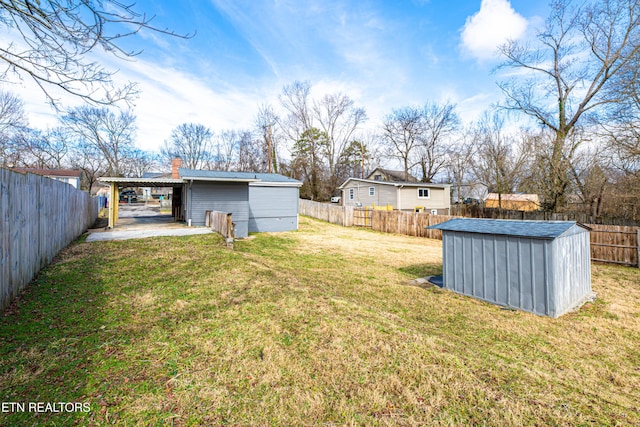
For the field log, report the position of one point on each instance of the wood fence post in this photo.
(638, 244)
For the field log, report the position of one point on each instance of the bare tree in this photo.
(338, 118)
(13, 122)
(45, 149)
(87, 157)
(251, 155)
(50, 42)
(192, 143)
(295, 100)
(500, 162)
(591, 180)
(401, 132)
(459, 160)
(578, 54)
(440, 121)
(110, 133)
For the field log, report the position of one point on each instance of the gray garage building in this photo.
(539, 266)
(257, 201)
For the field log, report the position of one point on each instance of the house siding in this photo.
(438, 199)
(224, 197)
(384, 195)
(273, 208)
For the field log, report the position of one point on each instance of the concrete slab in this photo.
(138, 221)
(142, 233)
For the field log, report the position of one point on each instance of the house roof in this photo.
(396, 184)
(70, 173)
(505, 227)
(252, 177)
(396, 176)
(201, 175)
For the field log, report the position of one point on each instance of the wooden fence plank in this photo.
(38, 217)
(609, 243)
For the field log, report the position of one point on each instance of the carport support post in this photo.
(113, 205)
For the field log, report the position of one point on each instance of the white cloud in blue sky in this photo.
(383, 54)
(494, 24)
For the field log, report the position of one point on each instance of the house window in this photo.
(378, 177)
(423, 193)
(351, 194)
(372, 191)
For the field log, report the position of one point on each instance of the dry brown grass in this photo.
(315, 327)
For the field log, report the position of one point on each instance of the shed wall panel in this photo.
(573, 269)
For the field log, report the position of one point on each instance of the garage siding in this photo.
(224, 197)
(273, 208)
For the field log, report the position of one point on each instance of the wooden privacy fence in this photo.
(609, 243)
(221, 223)
(39, 216)
(340, 215)
(615, 244)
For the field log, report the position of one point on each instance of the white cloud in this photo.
(484, 32)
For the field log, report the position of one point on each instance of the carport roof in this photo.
(140, 182)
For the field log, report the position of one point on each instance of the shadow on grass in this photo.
(47, 339)
(421, 270)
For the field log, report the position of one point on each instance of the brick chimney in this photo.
(175, 164)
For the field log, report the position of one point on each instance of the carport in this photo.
(116, 183)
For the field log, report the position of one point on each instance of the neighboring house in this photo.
(157, 192)
(70, 176)
(405, 196)
(388, 175)
(514, 202)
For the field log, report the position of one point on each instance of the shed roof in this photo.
(505, 227)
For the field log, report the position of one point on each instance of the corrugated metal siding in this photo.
(543, 276)
(273, 208)
(509, 271)
(573, 268)
(223, 197)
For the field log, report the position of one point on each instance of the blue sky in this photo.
(383, 54)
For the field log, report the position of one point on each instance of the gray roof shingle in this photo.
(534, 229)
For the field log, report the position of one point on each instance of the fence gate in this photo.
(362, 217)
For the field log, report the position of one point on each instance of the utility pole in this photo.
(269, 150)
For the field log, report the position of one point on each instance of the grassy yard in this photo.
(315, 327)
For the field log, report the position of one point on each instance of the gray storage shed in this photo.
(539, 266)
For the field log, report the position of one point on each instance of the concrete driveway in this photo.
(139, 220)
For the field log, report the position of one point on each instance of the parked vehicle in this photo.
(335, 200)
(128, 196)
